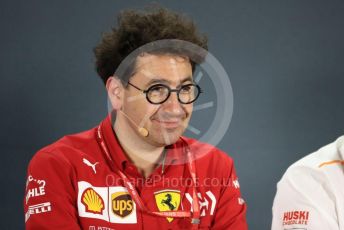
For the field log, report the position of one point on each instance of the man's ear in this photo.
(115, 91)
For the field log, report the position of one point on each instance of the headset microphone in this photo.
(143, 131)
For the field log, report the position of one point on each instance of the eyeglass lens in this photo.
(160, 93)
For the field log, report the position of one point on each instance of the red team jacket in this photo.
(71, 186)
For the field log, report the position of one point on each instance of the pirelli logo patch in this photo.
(37, 209)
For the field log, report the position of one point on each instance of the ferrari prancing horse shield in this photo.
(167, 200)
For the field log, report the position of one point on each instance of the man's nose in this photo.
(173, 105)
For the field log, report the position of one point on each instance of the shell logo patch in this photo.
(167, 200)
(92, 201)
(122, 204)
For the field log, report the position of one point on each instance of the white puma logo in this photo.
(93, 166)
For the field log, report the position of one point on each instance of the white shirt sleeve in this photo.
(304, 201)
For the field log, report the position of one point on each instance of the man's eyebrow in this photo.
(164, 81)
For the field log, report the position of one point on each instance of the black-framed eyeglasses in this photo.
(159, 93)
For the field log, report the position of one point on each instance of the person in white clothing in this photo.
(310, 195)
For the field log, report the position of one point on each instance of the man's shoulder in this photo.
(315, 159)
(66, 148)
(312, 165)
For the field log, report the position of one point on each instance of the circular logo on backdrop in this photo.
(211, 112)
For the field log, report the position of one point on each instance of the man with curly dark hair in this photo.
(136, 170)
(136, 29)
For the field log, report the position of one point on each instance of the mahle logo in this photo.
(122, 204)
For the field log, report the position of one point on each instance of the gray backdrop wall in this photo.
(284, 58)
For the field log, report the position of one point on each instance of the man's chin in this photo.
(165, 140)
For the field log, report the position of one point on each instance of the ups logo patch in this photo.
(122, 204)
